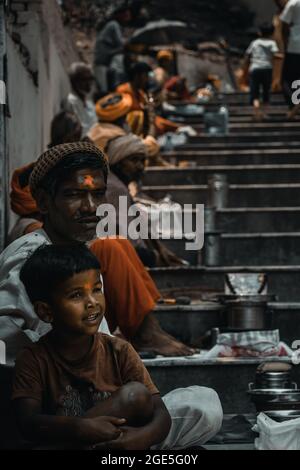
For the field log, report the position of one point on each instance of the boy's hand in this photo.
(129, 439)
(100, 429)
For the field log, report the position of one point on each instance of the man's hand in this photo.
(168, 258)
(129, 439)
(101, 429)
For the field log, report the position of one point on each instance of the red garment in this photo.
(129, 290)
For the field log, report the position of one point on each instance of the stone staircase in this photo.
(260, 232)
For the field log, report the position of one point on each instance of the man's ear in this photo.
(43, 311)
(42, 201)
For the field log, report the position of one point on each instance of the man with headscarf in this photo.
(68, 184)
(23, 204)
(127, 156)
(78, 101)
(112, 111)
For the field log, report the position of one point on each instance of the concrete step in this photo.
(233, 155)
(254, 137)
(230, 377)
(283, 281)
(236, 174)
(244, 98)
(254, 127)
(191, 323)
(255, 195)
(265, 219)
(276, 113)
(245, 249)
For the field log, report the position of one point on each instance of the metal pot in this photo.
(275, 399)
(248, 312)
(273, 380)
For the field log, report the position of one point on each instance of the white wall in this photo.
(33, 107)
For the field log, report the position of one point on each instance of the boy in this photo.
(80, 387)
(77, 386)
(259, 61)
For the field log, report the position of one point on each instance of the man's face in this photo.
(78, 304)
(133, 167)
(72, 212)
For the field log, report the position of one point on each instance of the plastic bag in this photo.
(277, 436)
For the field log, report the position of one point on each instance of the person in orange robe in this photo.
(143, 104)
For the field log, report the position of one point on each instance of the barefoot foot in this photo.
(151, 337)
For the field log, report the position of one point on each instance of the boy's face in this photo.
(78, 304)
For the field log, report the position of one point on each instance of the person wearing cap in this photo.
(109, 50)
(68, 183)
(65, 128)
(78, 101)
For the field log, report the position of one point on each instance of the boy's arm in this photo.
(39, 427)
(143, 438)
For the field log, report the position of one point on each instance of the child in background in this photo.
(78, 387)
(260, 57)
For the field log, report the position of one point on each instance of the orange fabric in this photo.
(113, 106)
(163, 125)
(138, 100)
(177, 85)
(21, 200)
(135, 120)
(129, 290)
(165, 54)
(32, 227)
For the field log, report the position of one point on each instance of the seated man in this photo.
(68, 184)
(78, 102)
(77, 387)
(127, 156)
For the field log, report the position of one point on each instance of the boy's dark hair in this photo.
(266, 29)
(50, 265)
(138, 69)
(61, 172)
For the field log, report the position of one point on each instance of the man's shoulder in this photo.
(23, 246)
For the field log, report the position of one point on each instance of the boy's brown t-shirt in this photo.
(71, 388)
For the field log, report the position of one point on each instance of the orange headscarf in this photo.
(21, 200)
(113, 106)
